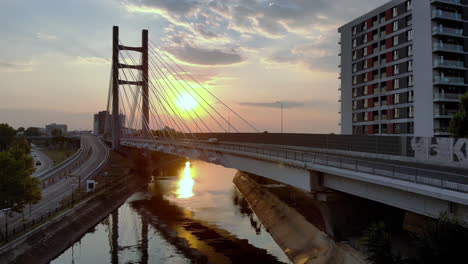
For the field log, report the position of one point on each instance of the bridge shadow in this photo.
(198, 240)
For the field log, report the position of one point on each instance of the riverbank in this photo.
(302, 241)
(50, 239)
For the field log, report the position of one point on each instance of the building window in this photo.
(354, 92)
(396, 69)
(395, 11)
(364, 50)
(397, 113)
(410, 81)
(366, 65)
(396, 98)
(396, 55)
(354, 43)
(364, 26)
(366, 116)
(354, 67)
(395, 41)
(354, 79)
(365, 77)
(410, 50)
(364, 38)
(410, 65)
(410, 96)
(411, 111)
(395, 26)
(366, 90)
(354, 55)
(354, 117)
(409, 33)
(354, 105)
(409, 5)
(396, 84)
(354, 30)
(365, 103)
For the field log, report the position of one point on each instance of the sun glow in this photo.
(186, 102)
(185, 185)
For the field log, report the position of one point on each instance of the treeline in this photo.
(17, 185)
(438, 241)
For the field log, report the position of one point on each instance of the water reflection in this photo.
(185, 184)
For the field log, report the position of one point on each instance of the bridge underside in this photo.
(320, 179)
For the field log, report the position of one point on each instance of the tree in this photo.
(443, 241)
(459, 122)
(32, 131)
(378, 243)
(20, 129)
(7, 135)
(17, 185)
(56, 132)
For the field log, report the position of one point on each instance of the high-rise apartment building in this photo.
(403, 68)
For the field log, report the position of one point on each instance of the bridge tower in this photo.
(116, 82)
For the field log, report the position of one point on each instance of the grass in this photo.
(58, 155)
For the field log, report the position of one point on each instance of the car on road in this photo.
(213, 140)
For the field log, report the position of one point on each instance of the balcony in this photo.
(449, 63)
(456, 2)
(451, 97)
(447, 31)
(444, 113)
(449, 80)
(448, 47)
(438, 13)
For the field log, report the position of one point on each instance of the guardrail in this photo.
(440, 179)
(102, 164)
(66, 166)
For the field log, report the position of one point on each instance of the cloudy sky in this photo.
(55, 55)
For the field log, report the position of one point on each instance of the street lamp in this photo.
(282, 105)
(5, 211)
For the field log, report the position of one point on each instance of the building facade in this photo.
(403, 68)
(51, 127)
(103, 122)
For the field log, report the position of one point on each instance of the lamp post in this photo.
(5, 211)
(282, 105)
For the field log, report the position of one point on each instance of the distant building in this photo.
(51, 127)
(103, 122)
(404, 67)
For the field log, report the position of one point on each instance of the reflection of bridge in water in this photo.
(170, 112)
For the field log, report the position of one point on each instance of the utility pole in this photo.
(282, 105)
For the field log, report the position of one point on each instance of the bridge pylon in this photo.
(117, 120)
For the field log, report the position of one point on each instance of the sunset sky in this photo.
(55, 56)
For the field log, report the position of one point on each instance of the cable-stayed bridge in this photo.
(157, 105)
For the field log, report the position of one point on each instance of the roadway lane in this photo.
(38, 155)
(53, 195)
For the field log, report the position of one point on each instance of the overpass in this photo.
(163, 108)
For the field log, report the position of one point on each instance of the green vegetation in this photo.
(17, 186)
(459, 122)
(440, 241)
(60, 148)
(7, 135)
(32, 131)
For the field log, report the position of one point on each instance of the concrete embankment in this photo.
(47, 241)
(300, 240)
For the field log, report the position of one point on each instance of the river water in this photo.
(200, 205)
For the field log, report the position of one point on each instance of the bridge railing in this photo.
(439, 179)
(434, 178)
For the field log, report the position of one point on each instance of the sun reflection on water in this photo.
(185, 184)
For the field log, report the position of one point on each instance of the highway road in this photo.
(52, 195)
(38, 155)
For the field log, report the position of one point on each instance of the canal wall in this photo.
(47, 241)
(302, 241)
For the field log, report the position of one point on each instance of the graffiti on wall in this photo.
(440, 149)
